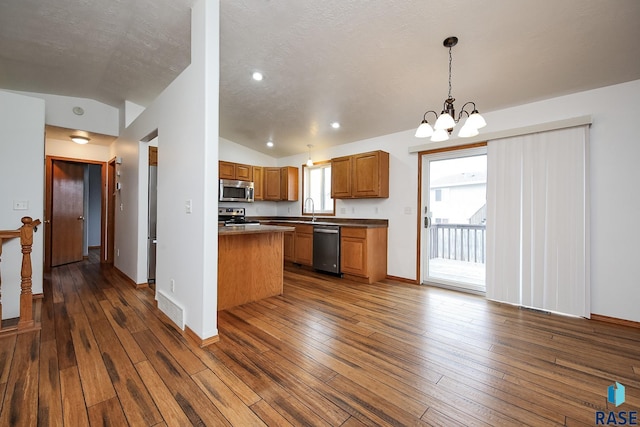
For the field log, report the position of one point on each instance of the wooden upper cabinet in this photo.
(341, 177)
(229, 170)
(153, 156)
(268, 183)
(258, 182)
(289, 183)
(364, 175)
(271, 184)
(281, 183)
(244, 172)
(226, 170)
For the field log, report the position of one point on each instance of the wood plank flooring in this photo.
(329, 352)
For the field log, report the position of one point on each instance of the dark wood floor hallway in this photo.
(329, 352)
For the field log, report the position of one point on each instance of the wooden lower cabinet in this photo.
(304, 245)
(289, 245)
(363, 253)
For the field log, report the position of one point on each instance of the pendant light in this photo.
(447, 120)
(309, 161)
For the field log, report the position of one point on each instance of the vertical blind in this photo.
(538, 221)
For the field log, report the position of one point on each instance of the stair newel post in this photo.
(26, 294)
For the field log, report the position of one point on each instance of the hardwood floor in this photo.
(329, 352)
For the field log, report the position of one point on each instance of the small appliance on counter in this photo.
(234, 216)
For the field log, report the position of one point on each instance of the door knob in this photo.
(81, 218)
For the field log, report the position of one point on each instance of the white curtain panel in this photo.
(538, 221)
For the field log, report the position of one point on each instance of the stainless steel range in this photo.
(234, 216)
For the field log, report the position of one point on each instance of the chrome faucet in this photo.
(313, 209)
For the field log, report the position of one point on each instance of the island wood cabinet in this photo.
(364, 175)
(289, 242)
(304, 244)
(229, 170)
(281, 183)
(363, 253)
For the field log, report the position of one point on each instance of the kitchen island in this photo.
(250, 263)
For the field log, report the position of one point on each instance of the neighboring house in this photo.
(459, 198)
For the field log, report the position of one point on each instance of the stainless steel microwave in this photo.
(232, 190)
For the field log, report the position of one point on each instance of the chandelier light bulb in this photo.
(445, 121)
(475, 120)
(440, 135)
(467, 131)
(424, 130)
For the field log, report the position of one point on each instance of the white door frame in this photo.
(424, 186)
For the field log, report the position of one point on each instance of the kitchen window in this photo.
(317, 186)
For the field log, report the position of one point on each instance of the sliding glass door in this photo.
(454, 219)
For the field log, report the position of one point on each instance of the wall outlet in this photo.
(343, 210)
(188, 206)
(173, 285)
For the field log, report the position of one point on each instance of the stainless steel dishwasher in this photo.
(326, 248)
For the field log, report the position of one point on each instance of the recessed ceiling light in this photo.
(335, 125)
(78, 111)
(257, 75)
(269, 144)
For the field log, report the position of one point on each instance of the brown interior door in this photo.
(67, 213)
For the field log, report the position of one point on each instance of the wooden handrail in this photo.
(26, 294)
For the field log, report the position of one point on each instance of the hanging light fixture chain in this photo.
(450, 60)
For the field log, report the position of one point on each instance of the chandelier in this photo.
(447, 120)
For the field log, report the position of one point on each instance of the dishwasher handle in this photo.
(326, 230)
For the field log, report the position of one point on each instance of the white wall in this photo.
(21, 179)
(69, 149)
(614, 211)
(97, 117)
(185, 116)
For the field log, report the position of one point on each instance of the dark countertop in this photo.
(252, 229)
(345, 222)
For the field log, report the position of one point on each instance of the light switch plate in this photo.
(20, 205)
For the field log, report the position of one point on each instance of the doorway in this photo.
(74, 209)
(453, 232)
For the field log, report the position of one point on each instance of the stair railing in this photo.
(29, 226)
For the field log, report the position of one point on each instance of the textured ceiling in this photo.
(375, 66)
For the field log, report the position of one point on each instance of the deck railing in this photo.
(461, 242)
(25, 233)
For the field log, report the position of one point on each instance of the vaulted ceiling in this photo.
(374, 66)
